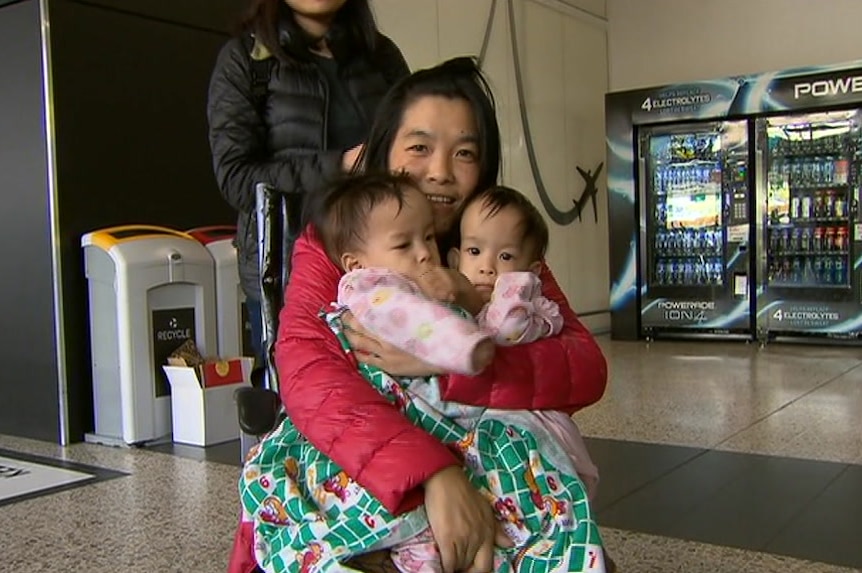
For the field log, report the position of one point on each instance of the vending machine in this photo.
(733, 206)
(694, 205)
(810, 224)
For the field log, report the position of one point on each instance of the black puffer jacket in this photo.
(284, 142)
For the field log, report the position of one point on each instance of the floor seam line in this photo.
(782, 407)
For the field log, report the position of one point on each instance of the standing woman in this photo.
(290, 103)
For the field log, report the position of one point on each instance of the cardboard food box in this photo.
(203, 411)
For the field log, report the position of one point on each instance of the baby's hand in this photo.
(438, 283)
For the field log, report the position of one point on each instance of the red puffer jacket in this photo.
(345, 418)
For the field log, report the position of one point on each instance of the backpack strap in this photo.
(260, 74)
(261, 71)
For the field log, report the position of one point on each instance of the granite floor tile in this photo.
(822, 425)
(170, 514)
(703, 394)
(644, 553)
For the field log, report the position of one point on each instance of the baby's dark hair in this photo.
(340, 215)
(533, 226)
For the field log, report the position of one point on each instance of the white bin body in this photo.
(148, 294)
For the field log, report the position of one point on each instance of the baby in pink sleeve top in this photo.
(502, 241)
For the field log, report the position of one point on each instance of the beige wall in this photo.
(563, 57)
(654, 42)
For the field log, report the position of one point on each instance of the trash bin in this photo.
(233, 328)
(150, 289)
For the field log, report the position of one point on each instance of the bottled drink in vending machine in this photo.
(817, 240)
(785, 269)
(841, 239)
(796, 270)
(828, 268)
(785, 240)
(828, 204)
(820, 205)
(669, 242)
(814, 171)
(660, 273)
(670, 273)
(840, 271)
(828, 171)
(795, 207)
(805, 207)
(805, 240)
(829, 239)
(840, 206)
(795, 240)
(698, 272)
(808, 271)
(818, 269)
(841, 171)
(774, 240)
(718, 272)
(777, 271)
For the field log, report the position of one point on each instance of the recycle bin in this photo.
(234, 331)
(150, 289)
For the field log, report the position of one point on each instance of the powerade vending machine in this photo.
(811, 229)
(693, 201)
(733, 206)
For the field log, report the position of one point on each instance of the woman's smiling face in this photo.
(437, 143)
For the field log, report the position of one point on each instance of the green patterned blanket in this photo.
(310, 516)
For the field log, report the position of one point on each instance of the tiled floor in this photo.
(715, 457)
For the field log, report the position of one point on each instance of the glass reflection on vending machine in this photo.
(694, 193)
(810, 185)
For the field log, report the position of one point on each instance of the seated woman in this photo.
(438, 125)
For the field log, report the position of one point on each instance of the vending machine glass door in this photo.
(808, 200)
(684, 197)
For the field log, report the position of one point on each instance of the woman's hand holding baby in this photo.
(462, 522)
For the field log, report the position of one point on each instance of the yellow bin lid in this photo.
(111, 236)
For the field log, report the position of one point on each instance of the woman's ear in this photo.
(453, 257)
(350, 262)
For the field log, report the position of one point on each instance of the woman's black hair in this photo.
(458, 78)
(271, 21)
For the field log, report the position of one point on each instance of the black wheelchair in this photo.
(279, 223)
